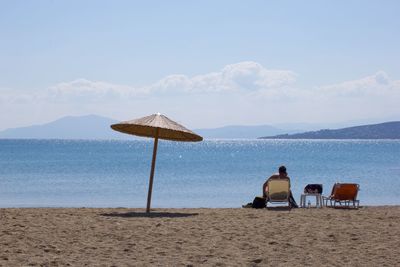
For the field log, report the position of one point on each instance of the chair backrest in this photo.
(345, 191)
(278, 190)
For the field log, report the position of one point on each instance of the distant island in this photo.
(387, 130)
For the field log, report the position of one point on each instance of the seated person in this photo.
(281, 175)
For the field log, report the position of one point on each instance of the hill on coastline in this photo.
(70, 127)
(387, 130)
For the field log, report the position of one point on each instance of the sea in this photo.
(212, 173)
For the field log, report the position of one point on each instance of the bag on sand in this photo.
(313, 188)
(258, 203)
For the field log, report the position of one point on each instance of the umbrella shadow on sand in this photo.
(134, 214)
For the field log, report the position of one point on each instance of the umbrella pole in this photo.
(153, 165)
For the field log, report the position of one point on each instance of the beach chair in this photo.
(343, 194)
(278, 191)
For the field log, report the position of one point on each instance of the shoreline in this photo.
(200, 236)
(178, 208)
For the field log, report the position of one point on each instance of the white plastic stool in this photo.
(318, 198)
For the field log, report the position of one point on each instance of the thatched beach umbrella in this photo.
(157, 126)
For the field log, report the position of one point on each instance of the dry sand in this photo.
(212, 237)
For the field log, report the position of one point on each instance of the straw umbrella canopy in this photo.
(159, 127)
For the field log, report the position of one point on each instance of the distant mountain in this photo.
(81, 127)
(239, 132)
(387, 130)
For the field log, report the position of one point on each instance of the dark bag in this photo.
(313, 188)
(259, 203)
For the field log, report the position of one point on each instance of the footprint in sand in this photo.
(257, 261)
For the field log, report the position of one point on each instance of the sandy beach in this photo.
(368, 236)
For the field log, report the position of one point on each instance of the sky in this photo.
(202, 63)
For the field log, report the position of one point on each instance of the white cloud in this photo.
(243, 76)
(251, 75)
(12, 96)
(378, 84)
(92, 90)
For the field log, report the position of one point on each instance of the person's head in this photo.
(282, 170)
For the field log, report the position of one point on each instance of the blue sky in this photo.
(204, 63)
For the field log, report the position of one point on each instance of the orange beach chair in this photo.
(343, 194)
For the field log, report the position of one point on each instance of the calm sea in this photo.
(70, 173)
